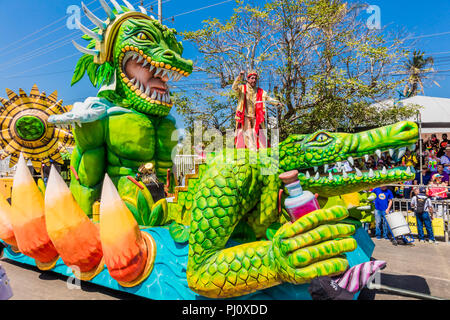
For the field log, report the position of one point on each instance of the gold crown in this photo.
(107, 30)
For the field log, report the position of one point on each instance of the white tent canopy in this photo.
(435, 112)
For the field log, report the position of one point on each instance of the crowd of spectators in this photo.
(435, 170)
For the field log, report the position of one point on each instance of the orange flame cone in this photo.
(28, 219)
(75, 237)
(129, 253)
(6, 229)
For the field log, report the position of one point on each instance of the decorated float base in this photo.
(168, 278)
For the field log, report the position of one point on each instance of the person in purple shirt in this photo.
(440, 170)
(383, 205)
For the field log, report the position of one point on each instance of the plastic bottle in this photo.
(299, 202)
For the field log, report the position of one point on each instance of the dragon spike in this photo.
(89, 32)
(95, 20)
(75, 237)
(6, 229)
(129, 253)
(84, 50)
(108, 10)
(143, 10)
(129, 5)
(117, 6)
(28, 219)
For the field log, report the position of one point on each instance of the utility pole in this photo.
(160, 11)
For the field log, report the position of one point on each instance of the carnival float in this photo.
(226, 233)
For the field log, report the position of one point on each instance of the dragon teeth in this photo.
(140, 58)
(391, 152)
(358, 172)
(147, 91)
(133, 81)
(344, 174)
(330, 176)
(315, 169)
(307, 175)
(152, 68)
(142, 88)
(366, 157)
(317, 177)
(325, 168)
(371, 173)
(153, 97)
(145, 63)
(384, 171)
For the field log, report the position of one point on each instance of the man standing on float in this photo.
(251, 112)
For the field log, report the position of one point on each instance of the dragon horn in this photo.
(75, 237)
(129, 253)
(95, 20)
(84, 50)
(108, 10)
(143, 10)
(6, 229)
(90, 33)
(28, 219)
(129, 5)
(117, 6)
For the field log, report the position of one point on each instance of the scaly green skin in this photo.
(119, 144)
(229, 192)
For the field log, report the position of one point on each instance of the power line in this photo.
(198, 9)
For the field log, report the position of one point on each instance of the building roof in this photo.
(435, 112)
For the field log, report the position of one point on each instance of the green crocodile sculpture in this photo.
(228, 191)
(132, 56)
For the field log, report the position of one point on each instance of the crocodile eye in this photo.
(322, 137)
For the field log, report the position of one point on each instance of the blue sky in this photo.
(26, 59)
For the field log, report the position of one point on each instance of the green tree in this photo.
(324, 64)
(417, 69)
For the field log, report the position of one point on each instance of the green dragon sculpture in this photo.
(132, 56)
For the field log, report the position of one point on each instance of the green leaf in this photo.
(92, 72)
(273, 228)
(179, 232)
(81, 67)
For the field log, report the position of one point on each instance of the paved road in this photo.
(422, 268)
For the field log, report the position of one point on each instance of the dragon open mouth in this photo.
(148, 78)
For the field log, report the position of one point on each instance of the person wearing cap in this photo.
(383, 205)
(251, 112)
(423, 209)
(441, 171)
(437, 189)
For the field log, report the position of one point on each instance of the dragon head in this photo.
(134, 56)
(314, 155)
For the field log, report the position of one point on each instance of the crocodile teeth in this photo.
(371, 173)
(401, 152)
(339, 165)
(378, 153)
(307, 175)
(151, 68)
(315, 169)
(145, 63)
(142, 88)
(358, 172)
(147, 91)
(140, 58)
(330, 176)
(366, 157)
(351, 161)
(138, 84)
(325, 168)
(391, 152)
(384, 171)
(133, 81)
(344, 174)
(317, 177)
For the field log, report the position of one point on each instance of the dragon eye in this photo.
(142, 36)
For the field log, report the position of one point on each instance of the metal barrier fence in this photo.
(441, 210)
(185, 164)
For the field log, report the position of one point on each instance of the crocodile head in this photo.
(134, 57)
(315, 154)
